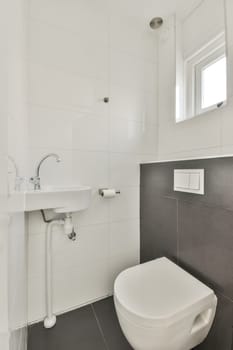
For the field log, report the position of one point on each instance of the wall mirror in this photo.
(201, 59)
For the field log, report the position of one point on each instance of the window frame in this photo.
(208, 61)
(193, 65)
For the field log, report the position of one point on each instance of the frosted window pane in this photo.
(214, 83)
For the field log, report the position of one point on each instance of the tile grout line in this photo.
(100, 328)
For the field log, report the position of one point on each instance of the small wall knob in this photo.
(106, 99)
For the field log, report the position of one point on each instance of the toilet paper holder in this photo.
(102, 191)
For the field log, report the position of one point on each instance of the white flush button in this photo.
(189, 180)
(181, 180)
(194, 183)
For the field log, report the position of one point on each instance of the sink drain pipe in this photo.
(50, 319)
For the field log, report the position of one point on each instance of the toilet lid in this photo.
(159, 290)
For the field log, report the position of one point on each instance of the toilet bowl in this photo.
(162, 307)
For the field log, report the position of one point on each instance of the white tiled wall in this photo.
(4, 326)
(18, 83)
(18, 149)
(80, 52)
(17, 282)
(12, 141)
(206, 135)
(4, 336)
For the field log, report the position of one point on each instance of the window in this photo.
(211, 82)
(213, 93)
(205, 78)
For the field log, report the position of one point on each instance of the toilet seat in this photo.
(159, 293)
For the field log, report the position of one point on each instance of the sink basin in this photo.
(60, 199)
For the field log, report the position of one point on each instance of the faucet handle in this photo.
(35, 180)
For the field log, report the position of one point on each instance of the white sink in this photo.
(61, 200)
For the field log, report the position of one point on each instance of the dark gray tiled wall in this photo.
(194, 231)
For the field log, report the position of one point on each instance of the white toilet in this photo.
(162, 307)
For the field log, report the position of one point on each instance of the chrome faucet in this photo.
(35, 180)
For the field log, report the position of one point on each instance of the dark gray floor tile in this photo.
(220, 336)
(105, 312)
(206, 244)
(75, 330)
(158, 228)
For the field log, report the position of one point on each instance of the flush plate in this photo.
(189, 180)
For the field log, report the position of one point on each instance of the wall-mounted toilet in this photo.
(162, 307)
